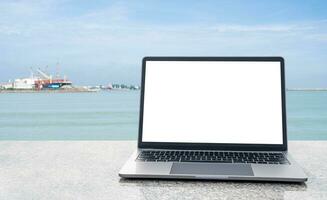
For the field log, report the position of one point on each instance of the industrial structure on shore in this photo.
(41, 81)
(38, 81)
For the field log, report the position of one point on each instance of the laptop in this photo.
(217, 118)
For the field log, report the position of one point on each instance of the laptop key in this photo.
(150, 160)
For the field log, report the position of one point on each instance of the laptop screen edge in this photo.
(213, 146)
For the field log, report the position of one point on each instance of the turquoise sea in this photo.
(114, 116)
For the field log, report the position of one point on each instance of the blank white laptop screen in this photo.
(213, 102)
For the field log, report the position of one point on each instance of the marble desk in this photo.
(89, 170)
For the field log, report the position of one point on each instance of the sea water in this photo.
(114, 115)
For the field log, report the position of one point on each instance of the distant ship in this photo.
(39, 81)
(45, 81)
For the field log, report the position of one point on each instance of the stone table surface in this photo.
(89, 170)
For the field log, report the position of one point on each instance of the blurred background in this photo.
(71, 69)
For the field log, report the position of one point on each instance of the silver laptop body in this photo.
(221, 118)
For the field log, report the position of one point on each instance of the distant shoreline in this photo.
(83, 90)
(48, 91)
(307, 89)
(70, 90)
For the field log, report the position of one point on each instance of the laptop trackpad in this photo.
(212, 169)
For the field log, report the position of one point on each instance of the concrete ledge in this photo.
(89, 170)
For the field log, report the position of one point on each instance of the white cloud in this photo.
(319, 37)
(263, 28)
(37, 21)
(118, 12)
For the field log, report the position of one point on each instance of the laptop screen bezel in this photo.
(214, 146)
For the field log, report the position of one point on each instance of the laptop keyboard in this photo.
(212, 157)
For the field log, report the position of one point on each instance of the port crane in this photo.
(44, 75)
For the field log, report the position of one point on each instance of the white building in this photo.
(24, 83)
(6, 86)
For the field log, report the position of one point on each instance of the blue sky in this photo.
(98, 42)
